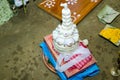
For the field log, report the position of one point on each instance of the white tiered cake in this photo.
(65, 36)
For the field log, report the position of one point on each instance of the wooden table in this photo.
(79, 8)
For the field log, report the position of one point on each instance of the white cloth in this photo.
(82, 53)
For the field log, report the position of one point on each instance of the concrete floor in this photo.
(20, 54)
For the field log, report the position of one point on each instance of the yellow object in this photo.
(111, 33)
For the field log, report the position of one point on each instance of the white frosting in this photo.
(65, 36)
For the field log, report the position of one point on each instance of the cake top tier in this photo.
(65, 10)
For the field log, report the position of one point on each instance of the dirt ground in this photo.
(21, 56)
